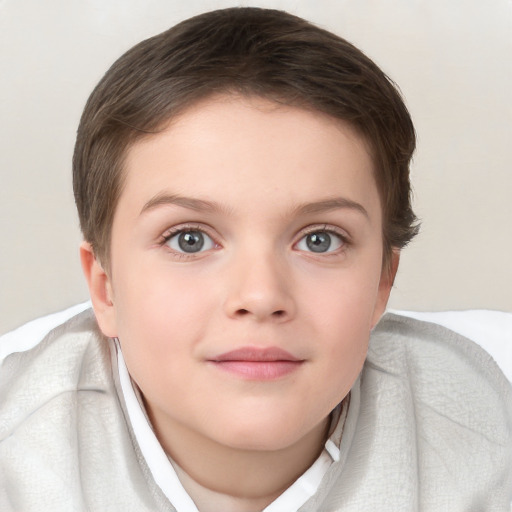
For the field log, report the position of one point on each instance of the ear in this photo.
(387, 279)
(100, 290)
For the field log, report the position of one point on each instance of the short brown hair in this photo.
(248, 51)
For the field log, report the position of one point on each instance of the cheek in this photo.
(342, 301)
(157, 293)
(159, 316)
(341, 310)
(346, 337)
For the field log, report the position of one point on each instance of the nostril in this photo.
(275, 314)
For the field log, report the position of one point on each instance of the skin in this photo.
(274, 175)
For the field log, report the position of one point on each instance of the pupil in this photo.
(191, 241)
(318, 242)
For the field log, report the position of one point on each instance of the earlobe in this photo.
(386, 283)
(100, 290)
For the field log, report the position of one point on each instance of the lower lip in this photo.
(258, 370)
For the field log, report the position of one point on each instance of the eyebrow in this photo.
(202, 205)
(336, 203)
(190, 203)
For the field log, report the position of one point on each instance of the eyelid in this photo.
(188, 226)
(328, 228)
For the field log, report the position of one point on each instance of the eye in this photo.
(190, 241)
(320, 242)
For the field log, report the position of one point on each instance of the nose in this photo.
(260, 288)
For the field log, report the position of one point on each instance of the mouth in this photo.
(253, 363)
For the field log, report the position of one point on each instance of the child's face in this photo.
(246, 231)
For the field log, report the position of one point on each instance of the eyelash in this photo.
(174, 231)
(324, 228)
(330, 230)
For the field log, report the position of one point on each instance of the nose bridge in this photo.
(259, 284)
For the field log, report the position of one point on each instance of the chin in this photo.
(272, 435)
(261, 443)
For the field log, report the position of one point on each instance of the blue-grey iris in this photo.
(191, 241)
(319, 241)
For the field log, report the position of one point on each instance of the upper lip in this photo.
(256, 354)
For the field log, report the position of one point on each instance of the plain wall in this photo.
(451, 58)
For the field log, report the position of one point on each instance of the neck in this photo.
(225, 478)
(208, 500)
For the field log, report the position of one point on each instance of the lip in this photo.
(254, 363)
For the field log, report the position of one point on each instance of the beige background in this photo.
(452, 59)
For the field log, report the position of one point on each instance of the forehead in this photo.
(228, 147)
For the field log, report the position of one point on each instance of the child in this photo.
(243, 191)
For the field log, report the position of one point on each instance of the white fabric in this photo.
(492, 330)
(30, 334)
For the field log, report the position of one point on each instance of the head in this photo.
(243, 188)
(250, 52)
